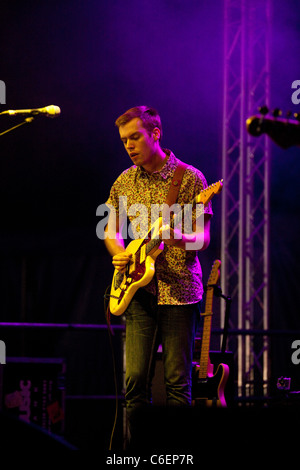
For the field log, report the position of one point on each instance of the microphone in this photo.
(49, 111)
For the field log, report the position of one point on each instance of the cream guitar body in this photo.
(139, 271)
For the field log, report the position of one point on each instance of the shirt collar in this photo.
(165, 171)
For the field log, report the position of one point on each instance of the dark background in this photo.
(95, 59)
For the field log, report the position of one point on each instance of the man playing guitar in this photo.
(166, 310)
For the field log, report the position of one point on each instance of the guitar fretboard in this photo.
(177, 219)
(206, 334)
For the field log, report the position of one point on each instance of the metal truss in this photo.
(245, 195)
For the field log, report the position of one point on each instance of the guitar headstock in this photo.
(285, 132)
(211, 283)
(214, 274)
(206, 194)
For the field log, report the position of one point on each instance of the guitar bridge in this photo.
(143, 254)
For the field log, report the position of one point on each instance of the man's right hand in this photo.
(121, 260)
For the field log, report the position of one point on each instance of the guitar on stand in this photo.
(208, 387)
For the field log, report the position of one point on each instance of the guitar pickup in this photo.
(143, 254)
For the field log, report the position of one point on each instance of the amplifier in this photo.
(33, 390)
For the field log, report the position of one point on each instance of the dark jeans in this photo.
(147, 326)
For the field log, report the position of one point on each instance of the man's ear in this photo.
(156, 133)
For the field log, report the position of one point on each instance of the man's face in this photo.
(139, 145)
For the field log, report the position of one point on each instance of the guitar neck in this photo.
(152, 243)
(177, 218)
(206, 334)
(202, 198)
(205, 345)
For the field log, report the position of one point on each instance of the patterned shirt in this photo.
(178, 274)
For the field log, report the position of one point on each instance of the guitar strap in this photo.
(175, 184)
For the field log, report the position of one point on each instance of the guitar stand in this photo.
(208, 381)
(218, 293)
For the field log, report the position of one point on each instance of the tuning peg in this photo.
(297, 116)
(263, 110)
(277, 112)
(288, 114)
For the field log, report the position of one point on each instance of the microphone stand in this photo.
(27, 120)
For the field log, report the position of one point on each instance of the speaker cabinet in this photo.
(32, 390)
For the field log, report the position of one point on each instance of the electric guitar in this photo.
(285, 132)
(141, 269)
(208, 388)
